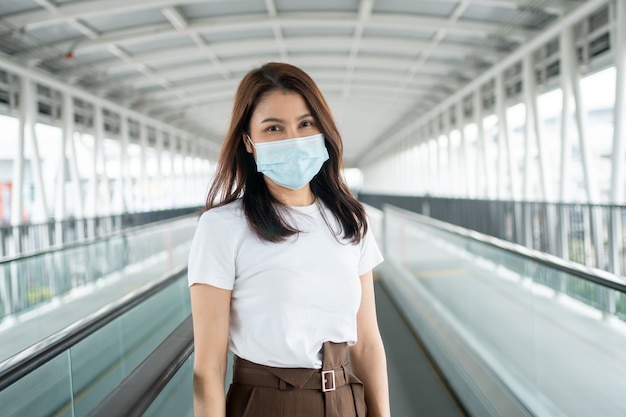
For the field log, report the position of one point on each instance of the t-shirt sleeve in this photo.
(370, 253)
(212, 253)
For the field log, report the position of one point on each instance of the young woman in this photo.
(280, 268)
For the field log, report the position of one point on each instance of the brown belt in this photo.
(327, 380)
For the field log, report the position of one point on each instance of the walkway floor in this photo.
(416, 388)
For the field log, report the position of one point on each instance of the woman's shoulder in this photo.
(230, 213)
(233, 207)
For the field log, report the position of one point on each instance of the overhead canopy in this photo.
(379, 63)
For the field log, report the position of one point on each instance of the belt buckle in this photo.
(326, 381)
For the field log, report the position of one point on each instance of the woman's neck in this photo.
(299, 198)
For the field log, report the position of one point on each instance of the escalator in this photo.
(76, 320)
(69, 373)
(416, 387)
(471, 327)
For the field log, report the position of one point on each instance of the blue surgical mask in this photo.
(291, 163)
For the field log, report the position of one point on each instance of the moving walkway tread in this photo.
(416, 387)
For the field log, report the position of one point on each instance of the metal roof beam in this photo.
(338, 44)
(405, 24)
(83, 9)
(76, 10)
(175, 17)
(193, 90)
(181, 105)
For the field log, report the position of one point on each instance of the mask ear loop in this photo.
(250, 140)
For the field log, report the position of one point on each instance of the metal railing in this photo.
(589, 234)
(31, 238)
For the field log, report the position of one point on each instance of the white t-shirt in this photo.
(288, 298)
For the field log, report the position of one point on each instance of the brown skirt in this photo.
(265, 391)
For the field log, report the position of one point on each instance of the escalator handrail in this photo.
(597, 276)
(134, 395)
(23, 363)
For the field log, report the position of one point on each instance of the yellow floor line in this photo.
(441, 273)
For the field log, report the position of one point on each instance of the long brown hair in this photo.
(236, 174)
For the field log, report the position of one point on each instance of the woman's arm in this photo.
(367, 356)
(210, 308)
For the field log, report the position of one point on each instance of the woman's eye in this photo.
(307, 123)
(273, 129)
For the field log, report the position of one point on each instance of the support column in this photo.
(401, 165)
(566, 127)
(569, 65)
(464, 172)
(159, 176)
(429, 159)
(40, 209)
(124, 174)
(448, 186)
(436, 132)
(532, 123)
(107, 204)
(453, 155)
(17, 190)
(618, 42)
(412, 167)
(144, 187)
(531, 116)
(172, 190)
(185, 178)
(66, 136)
(424, 163)
(504, 142)
(533, 131)
(569, 68)
(79, 198)
(397, 166)
(94, 181)
(199, 189)
(482, 182)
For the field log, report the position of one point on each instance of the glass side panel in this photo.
(176, 399)
(558, 342)
(47, 391)
(81, 377)
(43, 294)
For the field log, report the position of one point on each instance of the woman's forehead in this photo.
(279, 102)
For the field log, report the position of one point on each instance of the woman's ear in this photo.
(246, 141)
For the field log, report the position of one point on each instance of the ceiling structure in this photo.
(379, 63)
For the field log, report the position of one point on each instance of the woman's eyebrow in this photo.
(272, 120)
(278, 120)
